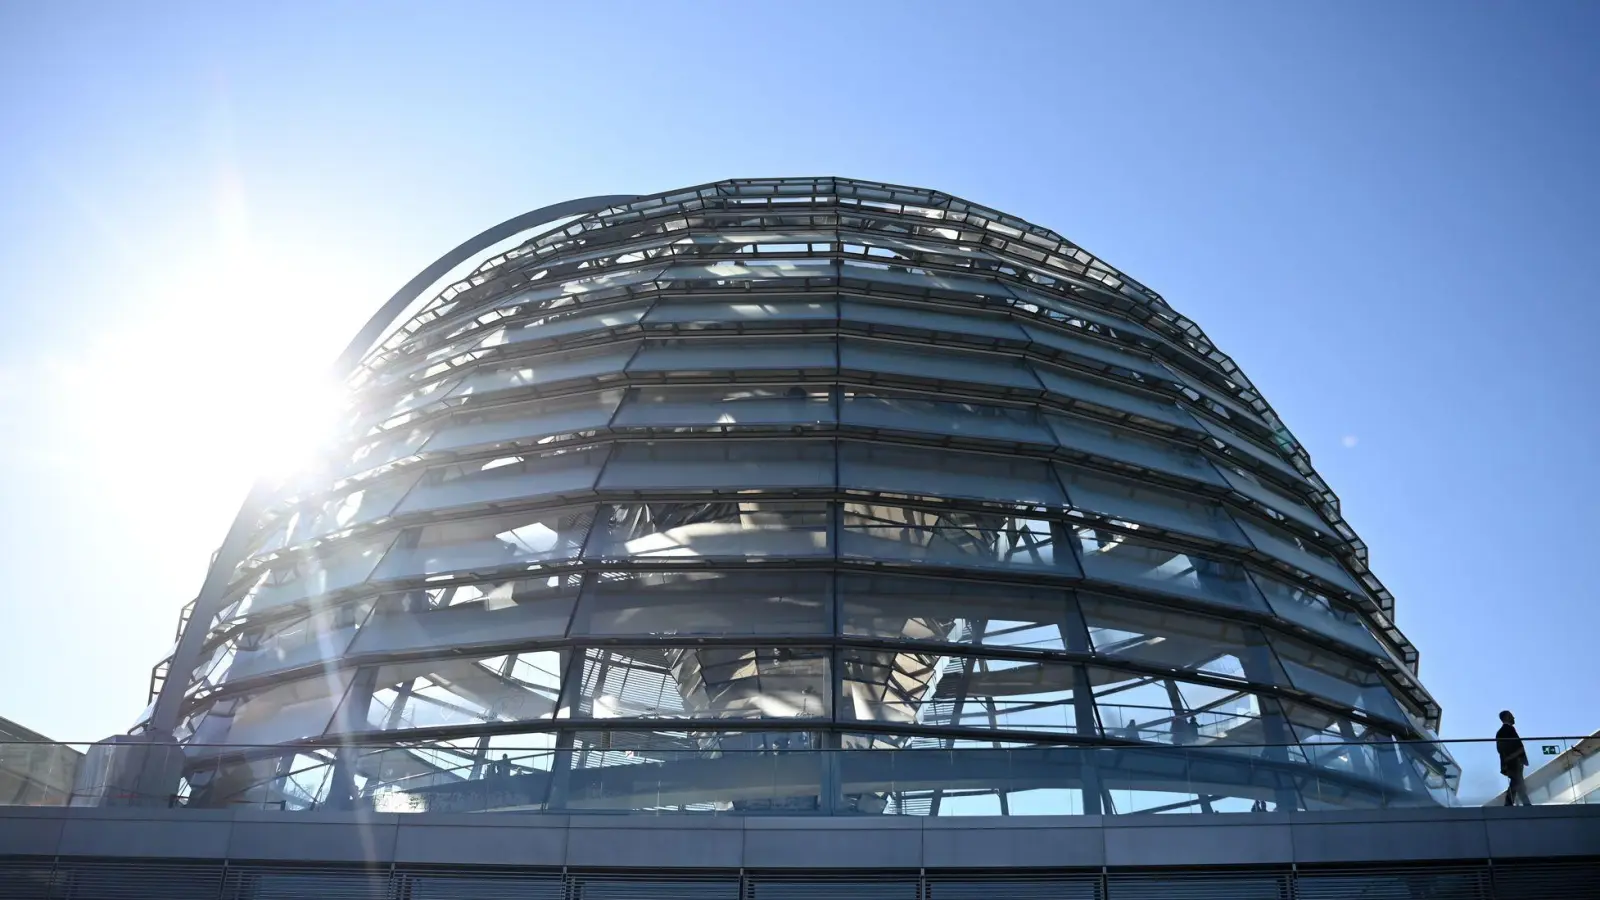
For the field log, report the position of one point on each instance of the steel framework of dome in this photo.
(755, 495)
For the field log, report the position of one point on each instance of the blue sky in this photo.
(1384, 212)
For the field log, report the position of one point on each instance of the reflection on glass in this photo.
(709, 682)
(925, 689)
(723, 530)
(687, 406)
(720, 465)
(311, 573)
(1290, 548)
(1316, 612)
(712, 603)
(454, 692)
(1178, 639)
(521, 539)
(1123, 445)
(1119, 557)
(1337, 678)
(283, 712)
(953, 537)
(947, 473)
(954, 612)
(525, 423)
(939, 364)
(1147, 504)
(457, 616)
(1165, 710)
(526, 476)
(918, 413)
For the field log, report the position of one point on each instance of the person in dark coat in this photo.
(1513, 758)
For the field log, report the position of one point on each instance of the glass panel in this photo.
(1122, 445)
(1165, 710)
(955, 612)
(375, 500)
(683, 355)
(727, 405)
(920, 319)
(719, 530)
(539, 373)
(953, 538)
(1337, 678)
(525, 422)
(1133, 501)
(763, 273)
(1273, 498)
(925, 688)
(745, 311)
(488, 544)
(1114, 397)
(947, 473)
(720, 465)
(1057, 309)
(739, 772)
(1178, 639)
(1248, 448)
(910, 412)
(702, 683)
(507, 478)
(1212, 398)
(396, 444)
(1316, 612)
(471, 774)
(1113, 556)
(935, 364)
(1297, 552)
(550, 295)
(312, 573)
(452, 617)
(1097, 354)
(283, 712)
(920, 281)
(1332, 741)
(714, 603)
(261, 648)
(565, 323)
(454, 692)
(416, 398)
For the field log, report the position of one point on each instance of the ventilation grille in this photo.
(93, 879)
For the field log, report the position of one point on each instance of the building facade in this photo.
(34, 771)
(803, 496)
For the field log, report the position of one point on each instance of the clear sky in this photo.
(1384, 211)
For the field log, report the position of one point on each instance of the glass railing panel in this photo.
(781, 770)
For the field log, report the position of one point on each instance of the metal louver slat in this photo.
(481, 884)
(834, 887)
(1085, 886)
(655, 887)
(1397, 883)
(1199, 885)
(1547, 880)
(142, 880)
(307, 883)
(31, 879)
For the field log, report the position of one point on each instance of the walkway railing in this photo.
(778, 773)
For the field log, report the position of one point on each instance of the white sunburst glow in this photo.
(222, 375)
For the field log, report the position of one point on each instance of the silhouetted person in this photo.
(1513, 758)
(1185, 730)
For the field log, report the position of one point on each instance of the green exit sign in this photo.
(1549, 749)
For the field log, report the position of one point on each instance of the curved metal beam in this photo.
(164, 717)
